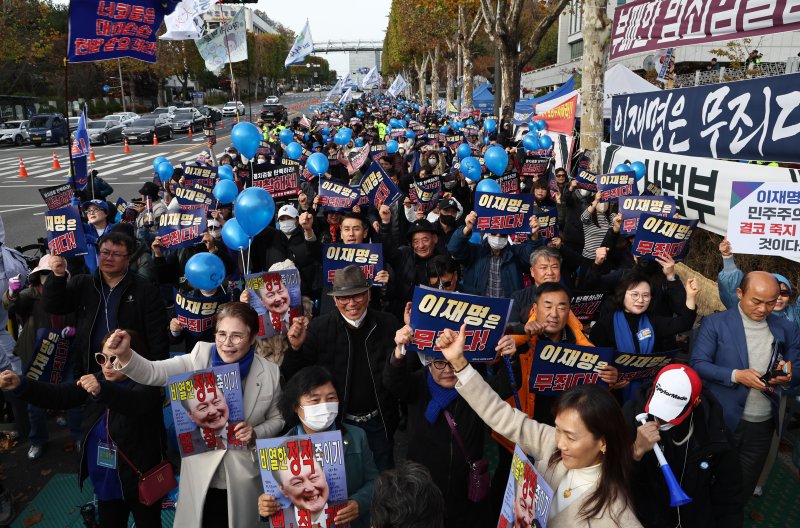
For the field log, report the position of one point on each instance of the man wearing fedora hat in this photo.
(353, 342)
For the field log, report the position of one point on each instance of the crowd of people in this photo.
(339, 362)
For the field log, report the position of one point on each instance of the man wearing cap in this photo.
(686, 421)
(733, 352)
(150, 210)
(353, 342)
(98, 224)
(450, 212)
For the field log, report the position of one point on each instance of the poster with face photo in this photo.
(306, 475)
(528, 496)
(206, 406)
(275, 296)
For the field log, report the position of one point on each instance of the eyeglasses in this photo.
(93, 210)
(103, 358)
(235, 339)
(112, 254)
(344, 299)
(785, 293)
(636, 296)
(441, 364)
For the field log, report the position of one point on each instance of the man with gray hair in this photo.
(545, 267)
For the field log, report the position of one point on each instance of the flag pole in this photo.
(71, 174)
(228, 51)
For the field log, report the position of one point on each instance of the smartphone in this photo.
(774, 373)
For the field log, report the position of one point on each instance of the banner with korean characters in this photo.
(528, 497)
(182, 229)
(659, 237)
(638, 366)
(195, 195)
(632, 207)
(764, 218)
(612, 186)
(509, 182)
(504, 213)
(57, 196)
(196, 174)
(197, 312)
(281, 180)
(337, 196)
(586, 180)
(560, 366)
(369, 257)
(378, 187)
(424, 194)
(586, 305)
(51, 353)
(548, 222)
(65, 235)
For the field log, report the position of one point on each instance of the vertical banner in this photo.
(764, 218)
(369, 257)
(275, 296)
(558, 367)
(197, 312)
(51, 353)
(65, 235)
(659, 237)
(528, 497)
(504, 213)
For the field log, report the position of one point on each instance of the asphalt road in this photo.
(22, 207)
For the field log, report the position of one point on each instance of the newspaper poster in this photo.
(197, 312)
(65, 235)
(764, 218)
(206, 406)
(528, 497)
(291, 465)
(558, 367)
(369, 257)
(275, 296)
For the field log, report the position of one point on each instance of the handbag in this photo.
(478, 478)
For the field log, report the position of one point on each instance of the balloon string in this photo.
(513, 381)
(241, 252)
(249, 243)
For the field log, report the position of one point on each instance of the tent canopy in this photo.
(483, 98)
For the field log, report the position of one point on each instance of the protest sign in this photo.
(612, 186)
(127, 212)
(378, 187)
(113, 30)
(586, 180)
(197, 312)
(65, 235)
(585, 305)
(369, 257)
(201, 175)
(560, 118)
(548, 222)
(632, 207)
(434, 310)
(275, 296)
(210, 133)
(195, 195)
(57, 196)
(534, 166)
(645, 25)
(51, 353)
(560, 366)
(764, 218)
(337, 196)
(750, 119)
(509, 182)
(377, 152)
(182, 229)
(206, 406)
(281, 180)
(306, 458)
(527, 495)
(659, 237)
(637, 366)
(504, 213)
(355, 159)
(424, 194)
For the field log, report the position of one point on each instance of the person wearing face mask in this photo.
(450, 211)
(596, 219)
(576, 201)
(435, 161)
(685, 419)
(310, 404)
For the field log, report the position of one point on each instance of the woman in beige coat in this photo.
(220, 487)
(586, 457)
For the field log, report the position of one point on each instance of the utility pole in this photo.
(121, 84)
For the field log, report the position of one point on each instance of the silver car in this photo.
(14, 133)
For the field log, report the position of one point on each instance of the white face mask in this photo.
(583, 193)
(497, 243)
(319, 417)
(450, 184)
(432, 162)
(287, 226)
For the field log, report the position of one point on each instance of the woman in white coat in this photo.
(220, 487)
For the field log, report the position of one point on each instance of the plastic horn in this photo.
(677, 497)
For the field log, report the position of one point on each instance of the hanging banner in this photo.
(659, 237)
(528, 497)
(337, 197)
(751, 119)
(101, 30)
(632, 207)
(764, 218)
(379, 187)
(229, 38)
(434, 310)
(51, 353)
(424, 194)
(65, 232)
(586, 305)
(560, 119)
(617, 184)
(275, 296)
(548, 222)
(282, 181)
(182, 229)
(638, 366)
(197, 312)
(647, 25)
(559, 366)
(369, 257)
(504, 213)
(57, 196)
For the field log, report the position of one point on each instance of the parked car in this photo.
(307, 89)
(73, 123)
(272, 99)
(119, 118)
(104, 132)
(145, 127)
(14, 132)
(273, 112)
(210, 112)
(317, 87)
(168, 110)
(48, 128)
(232, 107)
(128, 117)
(187, 118)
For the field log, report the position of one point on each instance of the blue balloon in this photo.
(471, 168)
(246, 137)
(444, 129)
(392, 146)
(225, 172)
(317, 163)
(488, 185)
(622, 167)
(639, 168)
(254, 208)
(348, 133)
(486, 140)
(341, 138)
(294, 150)
(463, 151)
(326, 131)
(401, 124)
(410, 134)
(165, 170)
(234, 236)
(530, 141)
(205, 271)
(470, 121)
(490, 125)
(394, 122)
(546, 142)
(408, 117)
(286, 136)
(225, 191)
(359, 142)
(158, 161)
(540, 125)
(496, 159)
(359, 114)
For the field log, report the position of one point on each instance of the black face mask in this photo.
(447, 220)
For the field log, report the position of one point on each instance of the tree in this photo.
(29, 33)
(181, 59)
(596, 33)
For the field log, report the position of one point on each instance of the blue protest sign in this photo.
(113, 30)
(434, 310)
(586, 180)
(378, 187)
(632, 207)
(658, 237)
(201, 175)
(65, 235)
(504, 213)
(377, 152)
(197, 312)
(369, 257)
(548, 222)
(615, 185)
(560, 366)
(194, 195)
(637, 366)
(50, 356)
(182, 229)
(424, 194)
(337, 196)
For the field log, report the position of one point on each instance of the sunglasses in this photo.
(102, 359)
(785, 293)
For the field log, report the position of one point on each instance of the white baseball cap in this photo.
(676, 390)
(288, 210)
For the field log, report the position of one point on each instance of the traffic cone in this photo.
(91, 154)
(221, 123)
(56, 164)
(22, 172)
(190, 131)
(126, 149)
(155, 139)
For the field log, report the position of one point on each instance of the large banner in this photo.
(50, 356)
(102, 30)
(197, 312)
(560, 119)
(378, 187)
(764, 218)
(369, 257)
(559, 366)
(647, 25)
(657, 237)
(632, 207)
(750, 120)
(504, 213)
(57, 196)
(228, 39)
(282, 181)
(65, 235)
(434, 310)
(528, 496)
(182, 229)
(276, 298)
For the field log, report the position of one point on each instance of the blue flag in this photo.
(80, 153)
(560, 366)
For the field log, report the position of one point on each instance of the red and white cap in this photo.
(676, 390)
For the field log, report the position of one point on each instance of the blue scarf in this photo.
(440, 399)
(244, 364)
(624, 337)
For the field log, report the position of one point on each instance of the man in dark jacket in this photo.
(691, 431)
(409, 263)
(354, 343)
(110, 298)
